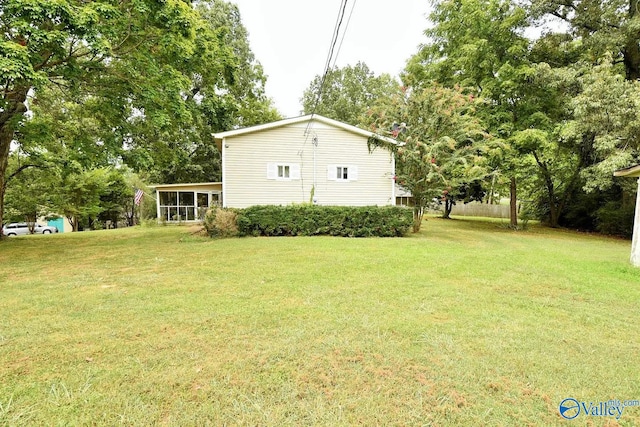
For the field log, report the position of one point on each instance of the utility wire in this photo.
(344, 33)
(327, 66)
(330, 57)
(336, 32)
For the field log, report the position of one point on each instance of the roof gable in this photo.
(631, 171)
(218, 137)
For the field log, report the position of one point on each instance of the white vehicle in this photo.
(21, 228)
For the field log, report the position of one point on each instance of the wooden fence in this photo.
(481, 209)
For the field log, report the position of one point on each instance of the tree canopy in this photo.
(441, 142)
(559, 101)
(346, 94)
(91, 88)
(144, 83)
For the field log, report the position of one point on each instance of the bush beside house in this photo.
(221, 222)
(310, 220)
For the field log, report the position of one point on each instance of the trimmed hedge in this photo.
(313, 220)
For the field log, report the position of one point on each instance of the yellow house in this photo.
(304, 159)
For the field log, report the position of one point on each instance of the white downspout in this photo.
(315, 186)
(158, 205)
(224, 173)
(393, 179)
(635, 244)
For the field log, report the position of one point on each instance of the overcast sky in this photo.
(291, 40)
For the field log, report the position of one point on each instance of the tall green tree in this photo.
(29, 196)
(479, 44)
(225, 91)
(117, 199)
(347, 93)
(470, 44)
(568, 122)
(79, 195)
(442, 142)
(607, 111)
(120, 51)
(245, 94)
(593, 58)
(607, 28)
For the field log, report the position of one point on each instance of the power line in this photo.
(327, 66)
(344, 33)
(330, 56)
(336, 32)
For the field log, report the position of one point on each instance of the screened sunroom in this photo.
(187, 202)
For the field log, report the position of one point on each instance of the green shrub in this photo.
(310, 220)
(220, 222)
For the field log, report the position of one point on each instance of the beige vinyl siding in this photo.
(247, 157)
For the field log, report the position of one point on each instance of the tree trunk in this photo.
(631, 51)
(513, 203)
(418, 213)
(448, 207)
(130, 214)
(31, 219)
(9, 118)
(73, 221)
(554, 207)
(554, 215)
(493, 185)
(554, 212)
(4, 162)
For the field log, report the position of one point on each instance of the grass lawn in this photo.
(466, 323)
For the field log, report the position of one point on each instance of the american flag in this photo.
(139, 196)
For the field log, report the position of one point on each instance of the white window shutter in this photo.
(295, 171)
(331, 172)
(272, 170)
(353, 173)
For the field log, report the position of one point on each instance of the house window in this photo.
(342, 172)
(404, 201)
(283, 171)
(168, 198)
(203, 200)
(183, 205)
